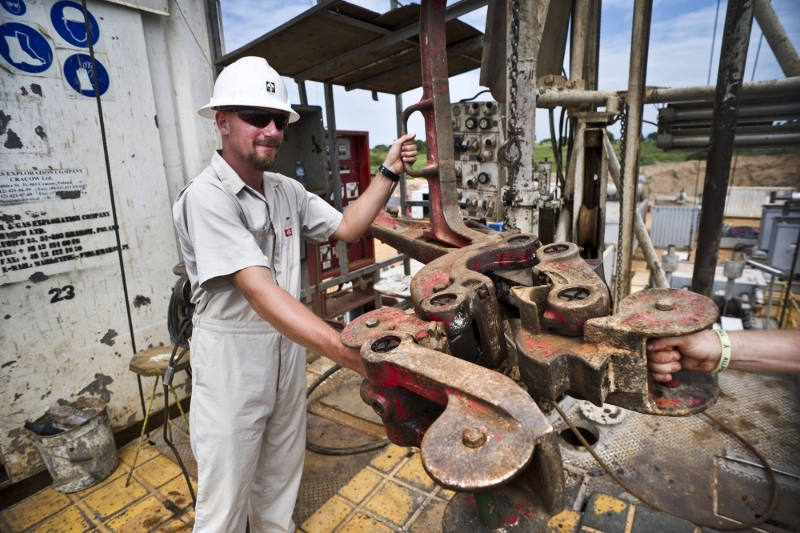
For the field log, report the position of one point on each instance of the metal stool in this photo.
(153, 362)
(397, 286)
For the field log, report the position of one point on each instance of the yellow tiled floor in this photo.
(157, 499)
(392, 494)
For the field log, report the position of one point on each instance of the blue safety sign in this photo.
(15, 7)
(78, 73)
(67, 19)
(25, 48)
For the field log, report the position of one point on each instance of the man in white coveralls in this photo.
(240, 229)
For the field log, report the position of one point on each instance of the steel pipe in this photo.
(735, 40)
(671, 114)
(640, 41)
(785, 86)
(776, 37)
(336, 179)
(639, 229)
(549, 98)
(578, 170)
(702, 141)
(578, 32)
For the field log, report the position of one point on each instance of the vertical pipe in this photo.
(579, 32)
(591, 65)
(769, 300)
(640, 43)
(776, 37)
(735, 40)
(639, 228)
(398, 113)
(336, 179)
(398, 110)
(301, 88)
(579, 157)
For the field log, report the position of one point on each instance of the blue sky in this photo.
(680, 49)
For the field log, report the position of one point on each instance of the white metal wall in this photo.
(673, 224)
(63, 326)
(746, 202)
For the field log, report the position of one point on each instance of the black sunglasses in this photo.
(260, 118)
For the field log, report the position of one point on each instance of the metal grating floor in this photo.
(679, 462)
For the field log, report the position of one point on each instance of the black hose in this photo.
(352, 450)
(474, 97)
(556, 153)
(773, 498)
(101, 123)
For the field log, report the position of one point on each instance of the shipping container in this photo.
(746, 202)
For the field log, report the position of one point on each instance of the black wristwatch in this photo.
(388, 173)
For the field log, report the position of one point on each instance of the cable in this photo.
(474, 97)
(96, 87)
(758, 51)
(559, 173)
(188, 27)
(773, 500)
(713, 39)
(323, 450)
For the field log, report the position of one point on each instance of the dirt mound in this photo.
(666, 179)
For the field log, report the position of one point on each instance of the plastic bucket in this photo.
(83, 455)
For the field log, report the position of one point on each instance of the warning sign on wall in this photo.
(24, 49)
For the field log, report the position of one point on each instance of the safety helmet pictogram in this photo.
(249, 82)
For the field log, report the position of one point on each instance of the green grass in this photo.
(378, 155)
(649, 154)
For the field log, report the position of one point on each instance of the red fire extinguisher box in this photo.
(352, 148)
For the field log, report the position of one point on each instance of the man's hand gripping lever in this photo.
(480, 434)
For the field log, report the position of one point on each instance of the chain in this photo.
(512, 138)
(623, 130)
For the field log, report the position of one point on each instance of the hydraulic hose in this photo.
(352, 450)
(773, 499)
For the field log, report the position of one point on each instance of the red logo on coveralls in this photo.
(288, 232)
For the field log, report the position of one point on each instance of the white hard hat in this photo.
(249, 82)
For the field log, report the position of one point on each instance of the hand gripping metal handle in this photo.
(426, 108)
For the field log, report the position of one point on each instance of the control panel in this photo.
(477, 136)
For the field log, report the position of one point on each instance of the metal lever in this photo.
(420, 106)
(487, 440)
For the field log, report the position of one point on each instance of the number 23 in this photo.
(68, 290)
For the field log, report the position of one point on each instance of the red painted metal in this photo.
(440, 170)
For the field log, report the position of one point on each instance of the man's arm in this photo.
(293, 319)
(751, 350)
(362, 212)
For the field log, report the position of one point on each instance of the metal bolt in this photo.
(439, 287)
(483, 293)
(664, 304)
(570, 84)
(474, 437)
(372, 322)
(548, 80)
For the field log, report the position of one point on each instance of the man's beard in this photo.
(265, 162)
